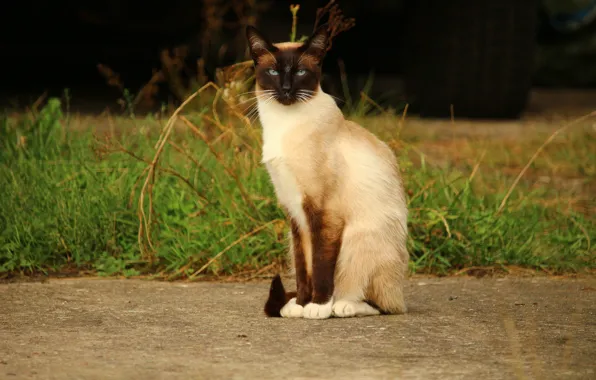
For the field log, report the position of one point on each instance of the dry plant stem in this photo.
(474, 171)
(149, 87)
(477, 166)
(228, 130)
(134, 186)
(402, 122)
(216, 120)
(76, 174)
(369, 100)
(232, 245)
(143, 219)
(533, 158)
(336, 21)
(182, 269)
(262, 270)
(585, 232)
(437, 213)
(214, 109)
(294, 8)
(421, 191)
(165, 170)
(220, 137)
(400, 125)
(39, 101)
(249, 125)
(468, 269)
(185, 180)
(191, 261)
(187, 155)
(343, 77)
(111, 123)
(112, 78)
(226, 168)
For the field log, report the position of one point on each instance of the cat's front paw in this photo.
(344, 309)
(318, 311)
(347, 309)
(291, 309)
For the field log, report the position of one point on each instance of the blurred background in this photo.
(489, 106)
(482, 59)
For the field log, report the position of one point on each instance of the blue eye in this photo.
(272, 72)
(301, 72)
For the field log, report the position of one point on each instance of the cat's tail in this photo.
(277, 298)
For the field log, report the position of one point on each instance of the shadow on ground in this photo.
(457, 328)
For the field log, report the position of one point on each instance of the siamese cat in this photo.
(339, 185)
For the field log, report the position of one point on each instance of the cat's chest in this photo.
(288, 154)
(289, 192)
(282, 139)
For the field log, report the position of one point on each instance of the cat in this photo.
(338, 184)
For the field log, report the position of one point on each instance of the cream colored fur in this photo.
(318, 311)
(345, 309)
(292, 309)
(310, 149)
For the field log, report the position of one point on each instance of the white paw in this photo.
(291, 309)
(318, 311)
(344, 309)
(347, 309)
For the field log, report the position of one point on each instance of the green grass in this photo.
(70, 202)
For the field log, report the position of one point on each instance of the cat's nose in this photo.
(286, 86)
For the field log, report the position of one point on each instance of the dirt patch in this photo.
(497, 328)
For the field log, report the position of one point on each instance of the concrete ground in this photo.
(457, 328)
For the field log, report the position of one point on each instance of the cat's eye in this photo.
(272, 72)
(300, 72)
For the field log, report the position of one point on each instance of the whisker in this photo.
(253, 113)
(311, 92)
(248, 92)
(304, 95)
(261, 96)
(302, 98)
(336, 98)
(250, 99)
(247, 101)
(262, 92)
(253, 110)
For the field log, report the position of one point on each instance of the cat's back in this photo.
(372, 180)
(364, 149)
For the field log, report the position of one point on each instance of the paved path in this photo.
(457, 328)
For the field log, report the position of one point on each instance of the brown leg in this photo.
(326, 233)
(303, 283)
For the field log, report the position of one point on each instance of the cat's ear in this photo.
(258, 44)
(316, 45)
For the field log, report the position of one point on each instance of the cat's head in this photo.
(289, 72)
